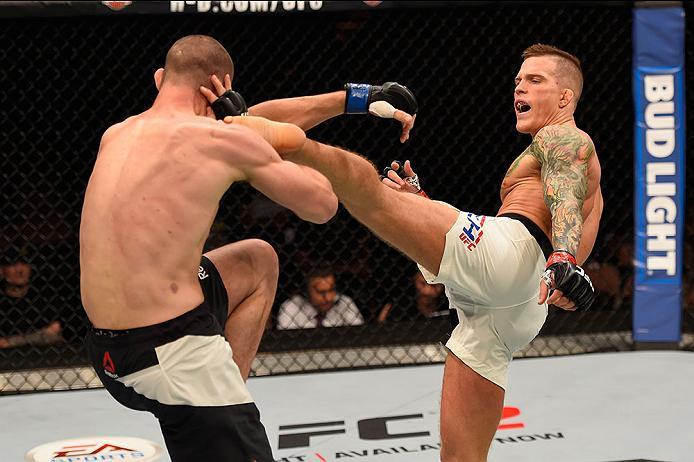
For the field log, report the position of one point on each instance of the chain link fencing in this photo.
(65, 80)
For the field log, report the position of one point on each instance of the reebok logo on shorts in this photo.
(202, 274)
(109, 366)
(472, 233)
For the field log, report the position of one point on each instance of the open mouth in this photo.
(522, 107)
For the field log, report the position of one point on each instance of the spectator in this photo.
(625, 265)
(17, 278)
(428, 302)
(321, 306)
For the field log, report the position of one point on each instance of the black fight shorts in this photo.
(182, 371)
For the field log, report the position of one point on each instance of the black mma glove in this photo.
(230, 103)
(381, 101)
(411, 180)
(562, 273)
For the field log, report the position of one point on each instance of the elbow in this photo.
(322, 210)
(331, 207)
(325, 209)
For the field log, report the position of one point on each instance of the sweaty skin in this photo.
(151, 200)
(559, 163)
(555, 182)
(558, 175)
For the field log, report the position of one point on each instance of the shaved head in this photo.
(568, 70)
(193, 59)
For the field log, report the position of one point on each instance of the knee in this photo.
(264, 258)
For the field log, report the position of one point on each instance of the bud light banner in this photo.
(658, 85)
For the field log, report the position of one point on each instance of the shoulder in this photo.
(233, 144)
(210, 129)
(560, 135)
(248, 146)
(125, 125)
(115, 129)
(561, 142)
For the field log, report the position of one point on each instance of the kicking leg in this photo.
(414, 225)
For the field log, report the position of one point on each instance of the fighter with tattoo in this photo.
(491, 266)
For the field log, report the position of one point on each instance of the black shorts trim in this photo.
(216, 297)
(535, 231)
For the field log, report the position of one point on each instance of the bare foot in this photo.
(285, 138)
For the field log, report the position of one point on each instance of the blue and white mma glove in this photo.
(380, 101)
(230, 103)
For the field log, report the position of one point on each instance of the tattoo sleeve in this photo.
(564, 154)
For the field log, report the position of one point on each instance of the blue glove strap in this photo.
(357, 98)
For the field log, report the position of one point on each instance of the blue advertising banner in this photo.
(658, 88)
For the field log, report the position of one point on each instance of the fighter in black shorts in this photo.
(165, 324)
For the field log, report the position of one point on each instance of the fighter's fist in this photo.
(226, 102)
(389, 101)
(571, 287)
(230, 103)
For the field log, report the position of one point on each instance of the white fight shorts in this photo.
(491, 269)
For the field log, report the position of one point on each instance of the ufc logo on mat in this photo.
(369, 429)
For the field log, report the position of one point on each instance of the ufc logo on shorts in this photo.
(202, 274)
(472, 234)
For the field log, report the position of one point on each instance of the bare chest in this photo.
(523, 174)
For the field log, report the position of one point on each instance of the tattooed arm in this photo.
(563, 154)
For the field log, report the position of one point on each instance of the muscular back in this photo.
(524, 189)
(151, 199)
(147, 211)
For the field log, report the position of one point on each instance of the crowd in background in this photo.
(313, 293)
